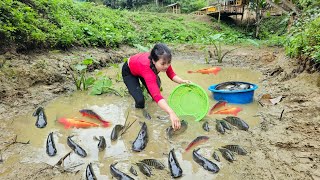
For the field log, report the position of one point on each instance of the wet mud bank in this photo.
(284, 145)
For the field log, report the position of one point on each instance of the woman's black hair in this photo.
(159, 51)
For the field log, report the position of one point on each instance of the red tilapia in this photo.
(217, 105)
(69, 123)
(213, 70)
(91, 114)
(233, 110)
(196, 141)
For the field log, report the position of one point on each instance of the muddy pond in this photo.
(115, 109)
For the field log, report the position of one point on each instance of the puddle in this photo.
(115, 109)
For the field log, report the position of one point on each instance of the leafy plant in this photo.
(104, 85)
(217, 40)
(79, 76)
(251, 41)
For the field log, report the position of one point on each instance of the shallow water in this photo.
(115, 110)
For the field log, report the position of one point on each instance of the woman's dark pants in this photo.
(134, 86)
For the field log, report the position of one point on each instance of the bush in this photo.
(305, 36)
(67, 23)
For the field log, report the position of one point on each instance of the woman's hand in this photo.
(175, 121)
(185, 81)
(179, 80)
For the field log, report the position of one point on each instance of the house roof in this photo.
(206, 7)
(174, 4)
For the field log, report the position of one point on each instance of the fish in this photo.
(226, 86)
(141, 140)
(212, 70)
(146, 114)
(69, 123)
(118, 174)
(215, 156)
(50, 146)
(233, 86)
(41, 117)
(233, 110)
(236, 148)
(133, 171)
(144, 168)
(235, 121)
(204, 162)
(171, 132)
(174, 165)
(115, 132)
(162, 117)
(219, 127)
(37, 111)
(91, 114)
(90, 173)
(225, 124)
(227, 154)
(205, 126)
(197, 141)
(217, 105)
(244, 86)
(102, 142)
(75, 147)
(153, 162)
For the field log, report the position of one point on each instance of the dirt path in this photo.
(286, 148)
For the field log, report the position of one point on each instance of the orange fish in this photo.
(69, 123)
(217, 105)
(213, 70)
(232, 110)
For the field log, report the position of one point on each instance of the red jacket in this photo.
(139, 65)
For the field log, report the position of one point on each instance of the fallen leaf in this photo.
(276, 100)
(266, 96)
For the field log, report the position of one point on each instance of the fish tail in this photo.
(190, 71)
(237, 111)
(105, 124)
(211, 110)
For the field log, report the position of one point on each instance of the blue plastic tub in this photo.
(236, 96)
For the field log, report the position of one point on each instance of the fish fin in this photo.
(67, 126)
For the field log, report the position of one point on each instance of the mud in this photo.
(286, 148)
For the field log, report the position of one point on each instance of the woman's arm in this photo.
(179, 80)
(175, 121)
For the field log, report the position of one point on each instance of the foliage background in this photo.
(66, 23)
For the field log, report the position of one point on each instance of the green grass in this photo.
(66, 23)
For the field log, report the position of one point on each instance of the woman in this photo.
(145, 67)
